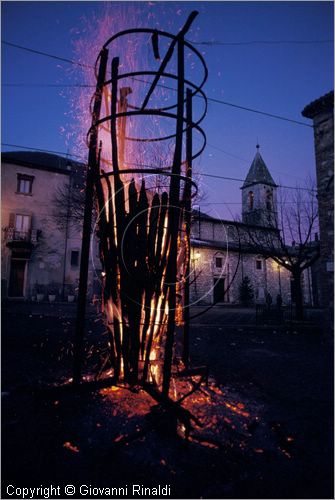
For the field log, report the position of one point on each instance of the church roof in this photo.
(323, 104)
(258, 172)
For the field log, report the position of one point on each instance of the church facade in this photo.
(221, 259)
(40, 256)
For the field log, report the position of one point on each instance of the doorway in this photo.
(219, 290)
(17, 278)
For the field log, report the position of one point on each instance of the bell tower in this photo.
(259, 197)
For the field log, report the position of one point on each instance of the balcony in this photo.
(21, 239)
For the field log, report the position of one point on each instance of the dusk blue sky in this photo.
(276, 78)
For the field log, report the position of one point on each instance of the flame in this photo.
(108, 390)
(135, 53)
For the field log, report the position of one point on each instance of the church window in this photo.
(268, 200)
(218, 262)
(258, 264)
(251, 200)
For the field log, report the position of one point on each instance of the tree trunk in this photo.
(299, 309)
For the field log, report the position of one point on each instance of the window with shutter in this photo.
(11, 222)
(21, 227)
(22, 222)
(24, 184)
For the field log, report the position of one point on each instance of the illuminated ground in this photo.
(266, 413)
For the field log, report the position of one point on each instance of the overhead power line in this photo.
(240, 202)
(263, 42)
(38, 149)
(57, 85)
(46, 54)
(222, 177)
(226, 152)
(218, 101)
(143, 165)
(278, 117)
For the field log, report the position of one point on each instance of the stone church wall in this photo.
(269, 278)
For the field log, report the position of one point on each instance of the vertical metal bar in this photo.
(85, 247)
(188, 208)
(118, 184)
(115, 159)
(120, 216)
(199, 221)
(174, 216)
(66, 232)
(122, 108)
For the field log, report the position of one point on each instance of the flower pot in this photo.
(52, 297)
(39, 297)
(70, 298)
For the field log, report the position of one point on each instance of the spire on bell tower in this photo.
(259, 194)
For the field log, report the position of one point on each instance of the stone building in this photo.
(41, 237)
(40, 246)
(221, 257)
(321, 111)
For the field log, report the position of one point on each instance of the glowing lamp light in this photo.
(197, 255)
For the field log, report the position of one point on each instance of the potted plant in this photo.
(70, 293)
(52, 293)
(39, 290)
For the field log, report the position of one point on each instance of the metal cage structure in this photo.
(144, 205)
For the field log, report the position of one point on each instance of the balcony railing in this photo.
(12, 235)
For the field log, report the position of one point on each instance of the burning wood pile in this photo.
(220, 417)
(143, 226)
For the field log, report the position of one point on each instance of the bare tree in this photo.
(68, 207)
(289, 243)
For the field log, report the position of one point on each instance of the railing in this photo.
(13, 235)
(270, 314)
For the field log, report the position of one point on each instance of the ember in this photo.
(71, 447)
(236, 409)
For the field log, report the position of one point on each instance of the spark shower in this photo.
(140, 169)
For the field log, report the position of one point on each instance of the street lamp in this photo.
(279, 279)
(195, 256)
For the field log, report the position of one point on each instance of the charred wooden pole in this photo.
(188, 219)
(87, 224)
(174, 219)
